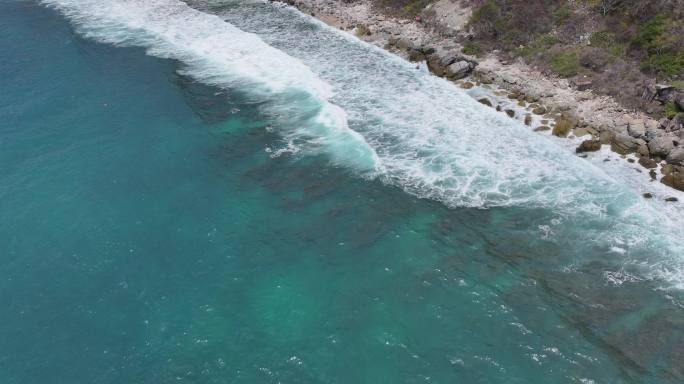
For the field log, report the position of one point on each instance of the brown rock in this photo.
(648, 163)
(510, 113)
(675, 179)
(589, 146)
(539, 110)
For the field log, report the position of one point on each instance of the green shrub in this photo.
(668, 63)
(659, 39)
(472, 48)
(617, 50)
(602, 39)
(487, 20)
(538, 45)
(566, 63)
(671, 109)
(677, 84)
(562, 14)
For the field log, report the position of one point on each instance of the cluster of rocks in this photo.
(652, 142)
(450, 64)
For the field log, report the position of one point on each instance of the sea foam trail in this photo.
(219, 54)
(436, 142)
(419, 132)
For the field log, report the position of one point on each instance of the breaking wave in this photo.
(219, 54)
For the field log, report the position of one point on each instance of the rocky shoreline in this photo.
(564, 108)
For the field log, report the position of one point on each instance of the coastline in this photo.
(550, 104)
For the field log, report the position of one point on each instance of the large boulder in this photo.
(434, 63)
(661, 145)
(624, 144)
(458, 70)
(675, 124)
(675, 179)
(449, 58)
(676, 156)
(636, 128)
(658, 92)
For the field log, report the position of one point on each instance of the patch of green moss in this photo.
(668, 63)
(538, 45)
(671, 109)
(566, 63)
(472, 48)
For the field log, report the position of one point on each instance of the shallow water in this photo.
(169, 222)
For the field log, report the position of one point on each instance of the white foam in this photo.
(416, 131)
(217, 53)
(437, 142)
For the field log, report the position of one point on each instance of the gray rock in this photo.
(448, 59)
(675, 124)
(458, 70)
(676, 156)
(664, 122)
(606, 137)
(661, 146)
(636, 128)
(624, 144)
(659, 92)
(582, 85)
(403, 43)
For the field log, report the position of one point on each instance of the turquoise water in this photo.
(167, 221)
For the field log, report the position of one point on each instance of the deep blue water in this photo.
(148, 236)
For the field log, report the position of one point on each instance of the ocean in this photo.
(233, 192)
